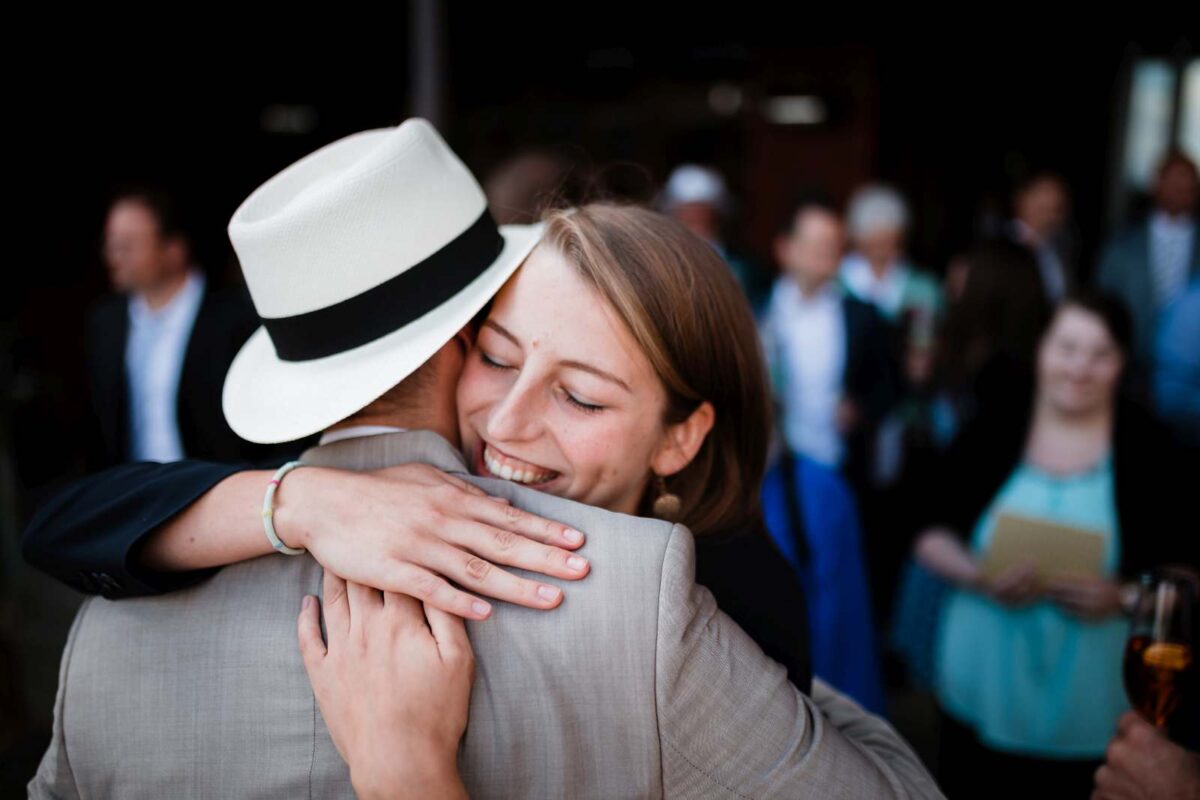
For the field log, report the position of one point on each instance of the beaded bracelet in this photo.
(268, 511)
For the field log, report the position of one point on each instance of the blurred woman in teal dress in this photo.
(1028, 669)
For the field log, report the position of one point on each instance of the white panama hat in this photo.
(363, 259)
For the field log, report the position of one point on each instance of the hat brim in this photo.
(269, 400)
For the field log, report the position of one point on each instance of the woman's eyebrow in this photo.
(579, 365)
(599, 373)
(500, 329)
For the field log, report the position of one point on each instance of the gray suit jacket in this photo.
(637, 686)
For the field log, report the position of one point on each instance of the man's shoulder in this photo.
(862, 318)
(107, 309)
(230, 304)
(256, 583)
(183, 672)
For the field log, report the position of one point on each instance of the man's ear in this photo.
(176, 251)
(683, 440)
(781, 248)
(465, 337)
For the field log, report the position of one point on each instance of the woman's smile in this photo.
(491, 461)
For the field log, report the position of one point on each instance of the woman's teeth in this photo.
(511, 469)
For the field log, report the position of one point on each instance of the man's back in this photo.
(635, 686)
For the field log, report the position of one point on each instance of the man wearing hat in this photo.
(365, 260)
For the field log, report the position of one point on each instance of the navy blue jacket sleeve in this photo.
(88, 534)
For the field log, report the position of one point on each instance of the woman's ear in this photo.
(682, 441)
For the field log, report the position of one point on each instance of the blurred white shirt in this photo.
(153, 362)
(808, 335)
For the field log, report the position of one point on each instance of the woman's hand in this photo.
(940, 551)
(412, 529)
(1017, 585)
(1086, 598)
(393, 683)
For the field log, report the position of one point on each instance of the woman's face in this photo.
(557, 395)
(1079, 364)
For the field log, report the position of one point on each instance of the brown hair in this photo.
(689, 317)
(1000, 314)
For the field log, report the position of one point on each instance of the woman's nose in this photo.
(516, 416)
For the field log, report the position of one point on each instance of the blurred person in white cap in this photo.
(877, 270)
(373, 255)
(698, 197)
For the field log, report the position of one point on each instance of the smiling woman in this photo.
(1028, 660)
(622, 354)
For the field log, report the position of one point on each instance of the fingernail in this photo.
(481, 608)
(548, 592)
(577, 563)
(573, 536)
(307, 602)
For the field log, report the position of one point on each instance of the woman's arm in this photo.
(940, 551)
(148, 528)
(404, 529)
(394, 684)
(89, 535)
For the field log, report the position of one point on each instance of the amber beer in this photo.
(1158, 676)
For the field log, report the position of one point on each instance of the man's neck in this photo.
(165, 290)
(880, 267)
(1180, 218)
(809, 288)
(1026, 233)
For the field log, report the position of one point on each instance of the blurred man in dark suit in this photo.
(159, 347)
(1040, 208)
(1150, 264)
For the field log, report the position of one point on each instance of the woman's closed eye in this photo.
(492, 363)
(589, 408)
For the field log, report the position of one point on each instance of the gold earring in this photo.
(667, 505)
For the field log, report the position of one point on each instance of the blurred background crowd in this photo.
(953, 252)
